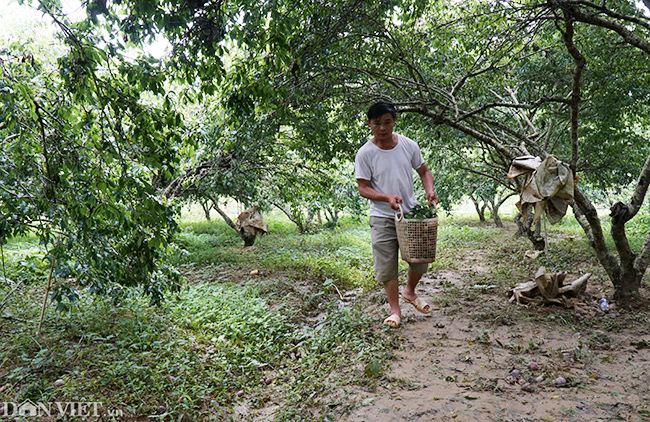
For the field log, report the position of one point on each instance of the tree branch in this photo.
(628, 36)
(622, 213)
(222, 213)
(641, 189)
(575, 88)
(290, 216)
(643, 258)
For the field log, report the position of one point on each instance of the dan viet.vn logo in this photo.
(29, 408)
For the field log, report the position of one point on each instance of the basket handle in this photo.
(401, 213)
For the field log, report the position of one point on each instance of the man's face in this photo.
(382, 127)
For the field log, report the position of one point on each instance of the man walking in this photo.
(384, 172)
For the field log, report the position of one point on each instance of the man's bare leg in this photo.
(392, 292)
(412, 280)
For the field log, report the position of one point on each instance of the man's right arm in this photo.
(368, 192)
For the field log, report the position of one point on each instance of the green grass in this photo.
(195, 351)
(343, 255)
(229, 337)
(21, 260)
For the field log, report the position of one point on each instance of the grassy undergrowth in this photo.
(275, 339)
(343, 254)
(256, 333)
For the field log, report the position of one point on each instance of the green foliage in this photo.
(421, 212)
(80, 151)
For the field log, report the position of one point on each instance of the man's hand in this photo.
(367, 191)
(394, 201)
(432, 198)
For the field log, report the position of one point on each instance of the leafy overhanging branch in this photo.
(574, 10)
(82, 147)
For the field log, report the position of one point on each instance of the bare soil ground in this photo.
(478, 357)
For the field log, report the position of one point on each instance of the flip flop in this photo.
(420, 304)
(393, 321)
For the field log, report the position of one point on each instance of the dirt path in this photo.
(457, 364)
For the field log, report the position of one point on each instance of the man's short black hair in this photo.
(379, 109)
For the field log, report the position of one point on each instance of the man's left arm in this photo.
(427, 182)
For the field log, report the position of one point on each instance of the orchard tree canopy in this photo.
(80, 151)
(253, 91)
(563, 78)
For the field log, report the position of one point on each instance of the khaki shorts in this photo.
(385, 250)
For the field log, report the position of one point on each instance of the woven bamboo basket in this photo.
(417, 238)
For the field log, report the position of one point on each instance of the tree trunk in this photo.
(333, 217)
(631, 273)
(480, 210)
(206, 209)
(625, 275)
(496, 205)
(493, 206)
(497, 220)
(249, 239)
(524, 229)
(584, 223)
(310, 217)
(626, 272)
(296, 220)
(496, 217)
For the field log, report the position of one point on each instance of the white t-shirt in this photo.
(389, 171)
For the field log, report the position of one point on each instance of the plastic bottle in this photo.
(604, 304)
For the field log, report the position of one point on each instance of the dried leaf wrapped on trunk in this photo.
(548, 186)
(251, 222)
(549, 288)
